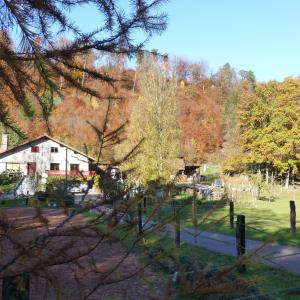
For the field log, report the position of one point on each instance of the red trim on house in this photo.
(70, 173)
(45, 136)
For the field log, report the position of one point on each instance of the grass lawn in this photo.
(269, 281)
(267, 219)
(210, 169)
(21, 202)
(38, 200)
(260, 279)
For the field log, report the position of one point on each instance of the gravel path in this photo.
(76, 268)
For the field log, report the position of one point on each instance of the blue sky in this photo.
(261, 35)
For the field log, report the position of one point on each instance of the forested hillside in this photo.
(246, 124)
(71, 112)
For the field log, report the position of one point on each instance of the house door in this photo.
(31, 168)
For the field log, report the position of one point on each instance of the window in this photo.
(54, 167)
(35, 149)
(74, 167)
(13, 167)
(54, 149)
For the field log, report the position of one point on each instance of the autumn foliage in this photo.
(74, 111)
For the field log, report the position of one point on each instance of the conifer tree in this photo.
(34, 62)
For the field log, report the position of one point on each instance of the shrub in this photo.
(5, 179)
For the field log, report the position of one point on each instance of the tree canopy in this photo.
(269, 126)
(154, 124)
(33, 62)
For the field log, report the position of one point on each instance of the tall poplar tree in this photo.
(154, 123)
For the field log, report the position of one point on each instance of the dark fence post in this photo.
(241, 240)
(16, 287)
(145, 205)
(231, 214)
(293, 217)
(194, 205)
(140, 223)
(177, 228)
(27, 198)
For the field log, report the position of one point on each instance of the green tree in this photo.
(154, 122)
(230, 112)
(226, 80)
(285, 128)
(248, 76)
(255, 113)
(270, 127)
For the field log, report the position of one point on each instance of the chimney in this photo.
(4, 142)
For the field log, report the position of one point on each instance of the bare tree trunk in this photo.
(272, 178)
(134, 82)
(61, 82)
(287, 179)
(267, 175)
(258, 192)
(83, 73)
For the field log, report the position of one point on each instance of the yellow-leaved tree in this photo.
(154, 123)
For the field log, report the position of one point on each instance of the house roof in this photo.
(45, 136)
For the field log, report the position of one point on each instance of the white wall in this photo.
(44, 157)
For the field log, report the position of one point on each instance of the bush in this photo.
(6, 182)
(41, 196)
(5, 179)
(61, 198)
(55, 194)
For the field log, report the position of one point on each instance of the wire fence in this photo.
(268, 252)
(234, 243)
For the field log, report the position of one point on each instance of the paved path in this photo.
(278, 256)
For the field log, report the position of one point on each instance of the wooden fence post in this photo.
(27, 198)
(16, 287)
(231, 214)
(140, 221)
(145, 205)
(241, 240)
(293, 216)
(194, 205)
(177, 227)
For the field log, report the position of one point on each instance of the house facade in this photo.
(45, 156)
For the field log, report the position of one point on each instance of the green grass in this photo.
(14, 203)
(21, 202)
(211, 169)
(266, 220)
(265, 280)
(211, 172)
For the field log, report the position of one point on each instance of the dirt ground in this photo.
(69, 267)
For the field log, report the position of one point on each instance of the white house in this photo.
(45, 156)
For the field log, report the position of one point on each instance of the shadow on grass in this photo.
(268, 199)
